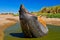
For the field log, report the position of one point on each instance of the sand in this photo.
(52, 21)
(5, 22)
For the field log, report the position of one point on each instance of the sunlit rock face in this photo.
(30, 25)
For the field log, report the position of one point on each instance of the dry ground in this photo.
(52, 21)
(5, 22)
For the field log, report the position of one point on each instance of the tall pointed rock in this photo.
(22, 9)
(30, 25)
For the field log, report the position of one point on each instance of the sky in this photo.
(13, 6)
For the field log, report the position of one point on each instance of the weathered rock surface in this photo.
(31, 27)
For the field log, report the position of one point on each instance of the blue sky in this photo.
(30, 5)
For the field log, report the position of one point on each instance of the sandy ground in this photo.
(8, 20)
(52, 21)
(5, 22)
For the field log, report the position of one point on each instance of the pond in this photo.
(53, 34)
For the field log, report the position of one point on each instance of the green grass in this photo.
(16, 14)
(54, 15)
(53, 34)
(49, 15)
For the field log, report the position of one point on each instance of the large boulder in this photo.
(30, 24)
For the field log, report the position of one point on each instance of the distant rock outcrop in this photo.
(54, 9)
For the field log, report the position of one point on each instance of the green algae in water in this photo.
(53, 34)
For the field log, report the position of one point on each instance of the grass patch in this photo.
(53, 15)
(16, 14)
(49, 15)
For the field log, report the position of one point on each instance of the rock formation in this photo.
(54, 9)
(30, 25)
